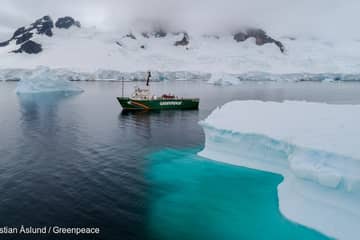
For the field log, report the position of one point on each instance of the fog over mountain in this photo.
(231, 36)
(327, 19)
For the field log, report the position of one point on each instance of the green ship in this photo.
(158, 104)
(143, 100)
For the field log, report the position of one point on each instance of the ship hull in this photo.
(159, 104)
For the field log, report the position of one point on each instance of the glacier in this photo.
(314, 146)
(16, 74)
(43, 80)
(216, 78)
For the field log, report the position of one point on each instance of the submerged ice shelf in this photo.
(313, 145)
(195, 198)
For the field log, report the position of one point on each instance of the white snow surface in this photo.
(320, 126)
(43, 80)
(87, 49)
(313, 145)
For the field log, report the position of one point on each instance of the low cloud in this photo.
(318, 18)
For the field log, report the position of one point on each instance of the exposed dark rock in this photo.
(29, 47)
(280, 46)
(145, 35)
(19, 32)
(67, 22)
(142, 46)
(77, 24)
(42, 25)
(118, 43)
(130, 35)
(240, 37)
(260, 36)
(160, 33)
(23, 38)
(4, 44)
(184, 41)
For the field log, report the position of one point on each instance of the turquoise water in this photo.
(195, 198)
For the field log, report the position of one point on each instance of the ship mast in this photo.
(148, 78)
(122, 86)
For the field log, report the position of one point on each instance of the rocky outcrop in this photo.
(160, 33)
(67, 22)
(145, 35)
(29, 47)
(130, 35)
(184, 41)
(22, 36)
(240, 37)
(42, 26)
(260, 36)
(4, 44)
(157, 33)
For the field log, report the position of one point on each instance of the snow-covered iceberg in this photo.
(43, 80)
(315, 146)
(223, 79)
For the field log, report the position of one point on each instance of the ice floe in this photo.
(315, 146)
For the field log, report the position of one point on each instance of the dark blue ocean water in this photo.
(79, 161)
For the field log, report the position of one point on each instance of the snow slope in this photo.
(87, 49)
(313, 145)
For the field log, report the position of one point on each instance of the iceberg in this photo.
(44, 80)
(314, 146)
(223, 79)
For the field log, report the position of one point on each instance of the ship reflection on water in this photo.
(165, 127)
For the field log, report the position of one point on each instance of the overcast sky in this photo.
(320, 18)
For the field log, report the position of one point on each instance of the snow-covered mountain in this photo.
(65, 44)
(23, 36)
